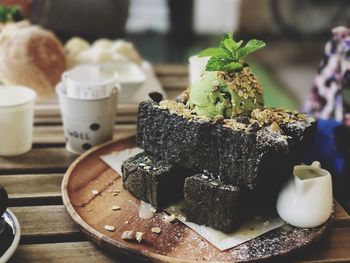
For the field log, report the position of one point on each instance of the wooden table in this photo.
(33, 182)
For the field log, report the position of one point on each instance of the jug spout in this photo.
(316, 164)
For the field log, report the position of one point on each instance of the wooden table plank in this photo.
(54, 134)
(33, 189)
(38, 160)
(170, 69)
(334, 247)
(174, 83)
(46, 224)
(53, 109)
(84, 252)
(54, 222)
(57, 120)
(43, 160)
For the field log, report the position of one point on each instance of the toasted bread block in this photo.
(153, 180)
(213, 203)
(242, 157)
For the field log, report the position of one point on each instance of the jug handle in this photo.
(3, 200)
(316, 164)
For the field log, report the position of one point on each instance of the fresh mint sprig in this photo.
(228, 57)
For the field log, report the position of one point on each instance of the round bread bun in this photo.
(31, 56)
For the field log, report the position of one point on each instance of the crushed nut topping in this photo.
(169, 219)
(109, 228)
(128, 235)
(261, 117)
(115, 208)
(156, 230)
(139, 236)
(279, 116)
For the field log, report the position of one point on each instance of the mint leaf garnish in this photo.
(214, 63)
(228, 56)
(229, 44)
(233, 66)
(214, 52)
(250, 47)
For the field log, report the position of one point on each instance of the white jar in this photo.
(16, 119)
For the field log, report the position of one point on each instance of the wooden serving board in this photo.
(176, 242)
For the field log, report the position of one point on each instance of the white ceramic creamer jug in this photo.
(306, 199)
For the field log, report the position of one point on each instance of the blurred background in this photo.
(169, 31)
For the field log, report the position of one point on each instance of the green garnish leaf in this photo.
(215, 63)
(228, 43)
(233, 66)
(252, 46)
(214, 52)
(228, 56)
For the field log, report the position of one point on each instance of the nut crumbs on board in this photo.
(156, 230)
(169, 218)
(115, 207)
(139, 236)
(128, 235)
(109, 228)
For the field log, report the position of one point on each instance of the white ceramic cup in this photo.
(196, 67)
(86, 123)
(89, 83)
(16, 119)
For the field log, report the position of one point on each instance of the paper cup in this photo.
(88, 82)
(196, 67)
(86, 123)
(16, 120)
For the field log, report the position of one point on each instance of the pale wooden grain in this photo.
(38, 160)
(54, 134)
(77, 252)
(29, 186)
(57, 120)
(174, 83)
(170, 69)
(334, 248)
(49, 223)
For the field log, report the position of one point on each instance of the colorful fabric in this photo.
(330, 95)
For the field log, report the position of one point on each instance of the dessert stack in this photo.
(217, 147)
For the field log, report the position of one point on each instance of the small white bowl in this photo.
(129, 75)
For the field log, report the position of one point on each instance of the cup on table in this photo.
(196, 67)
(87, 122)
(88, 82)
(16, 120)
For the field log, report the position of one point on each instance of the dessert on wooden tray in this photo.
(217, 146)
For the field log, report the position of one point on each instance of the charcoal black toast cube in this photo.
(212, 203)
(153, 180)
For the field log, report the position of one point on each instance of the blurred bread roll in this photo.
(31, 56)
(102, 50)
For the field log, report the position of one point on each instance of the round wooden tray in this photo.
(176, 242)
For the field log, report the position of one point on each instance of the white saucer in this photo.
(11, 220)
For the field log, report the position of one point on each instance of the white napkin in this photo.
(250, 230)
